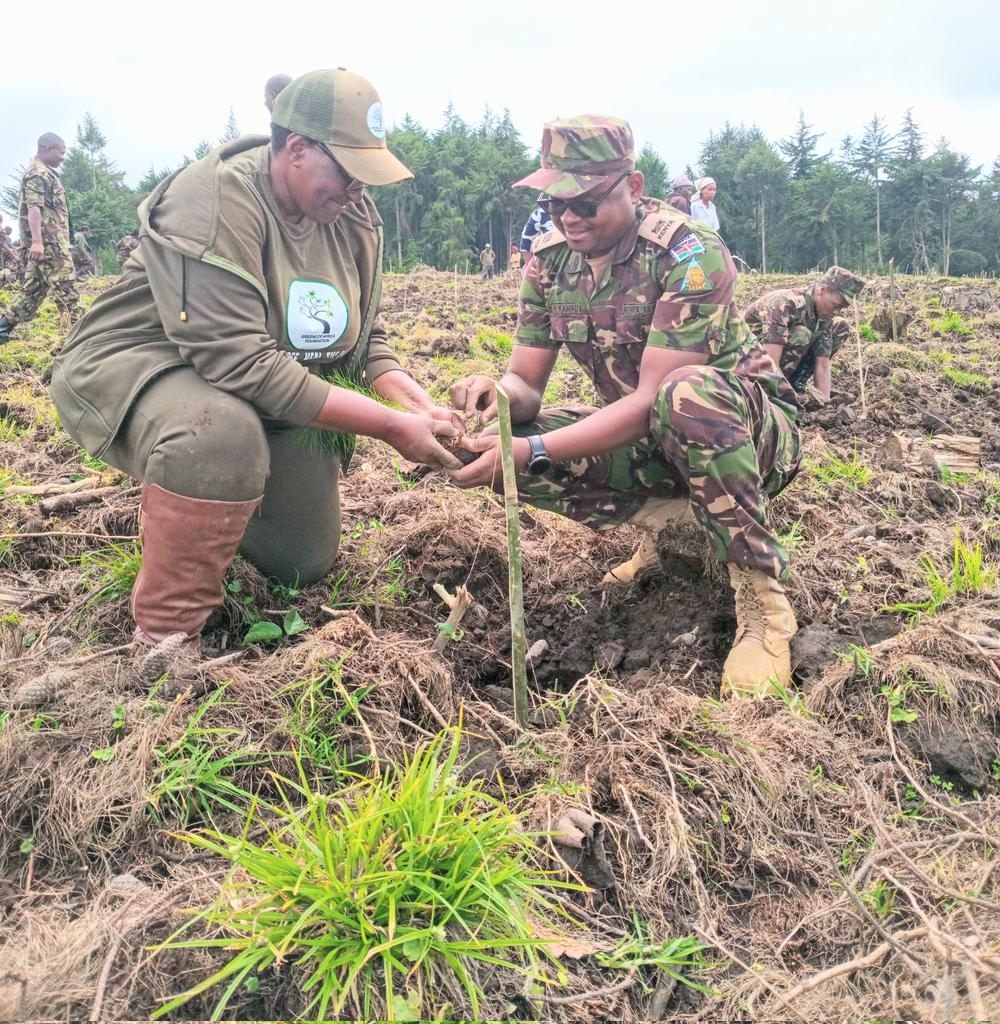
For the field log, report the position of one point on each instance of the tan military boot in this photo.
(656, 514)
(765, 624)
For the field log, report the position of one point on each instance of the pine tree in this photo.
(654, 169)
(871, 156)
(910, 149)
(91, 140)
(232, 129)
(800, 148)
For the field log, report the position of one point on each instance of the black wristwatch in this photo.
(539, 462)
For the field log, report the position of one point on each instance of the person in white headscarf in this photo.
(702, 207)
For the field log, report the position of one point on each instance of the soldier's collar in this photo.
(810, 302)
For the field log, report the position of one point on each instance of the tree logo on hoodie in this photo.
(316, 315)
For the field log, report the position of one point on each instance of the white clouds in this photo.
(160, 78)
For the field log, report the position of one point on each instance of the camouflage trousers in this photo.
(715, 439)
(51, 271)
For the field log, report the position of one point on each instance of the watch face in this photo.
(539, 464)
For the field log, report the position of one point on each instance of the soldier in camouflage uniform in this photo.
(126, 246)
(83, 258)
(693, 413)
(44, 229)
(10, 262)
(798, 327)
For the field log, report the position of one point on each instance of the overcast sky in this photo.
(160, 77)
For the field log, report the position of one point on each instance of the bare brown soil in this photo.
(838, 861)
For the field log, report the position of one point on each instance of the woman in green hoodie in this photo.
(209, 372)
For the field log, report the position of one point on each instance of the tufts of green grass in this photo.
(962, 379)
(970, 574)
(868, 332)
(951, 322)
(382, 893)
(111, 570)
(830, 470)
(494, 342)
(195, 775)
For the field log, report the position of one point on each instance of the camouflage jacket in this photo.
(42, 187)
(788, 317)
(669, 283)
(126, 245)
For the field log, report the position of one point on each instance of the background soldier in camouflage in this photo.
(10, 262)
(798, 327)
(126, 246)
(694, 413)
(83, 257)
(43, 223)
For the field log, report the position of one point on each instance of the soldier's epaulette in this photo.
(661, 225)
(547, 240)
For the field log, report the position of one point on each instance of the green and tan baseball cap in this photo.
(579, 153)
(838, 279)
(343, 113)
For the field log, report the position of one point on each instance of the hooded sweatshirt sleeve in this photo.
(225, 338)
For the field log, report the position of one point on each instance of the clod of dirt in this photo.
(41, 690)
(935, 424)
(952, 753)
(882, 321)
(610, 655)
(813, 648)
(127, 885)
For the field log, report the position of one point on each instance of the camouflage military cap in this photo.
(580, 153)
(838, 279)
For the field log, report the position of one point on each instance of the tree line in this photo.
(784, 205)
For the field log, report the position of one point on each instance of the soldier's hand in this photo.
(415, 438)
(476, 393)
(37, 251)
(487, 470)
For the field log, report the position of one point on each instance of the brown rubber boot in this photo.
(760, 657)
(187, 545)
(656, 514)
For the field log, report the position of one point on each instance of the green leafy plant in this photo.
(898, 711)
(861, 657)
(868, 332)
(412, 873)
(880, 898)
(267, 632)
(111, 570)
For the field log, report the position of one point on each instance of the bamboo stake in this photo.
(892, 297)
(516, 584)
(861, 362)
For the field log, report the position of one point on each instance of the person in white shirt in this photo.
(702, 207)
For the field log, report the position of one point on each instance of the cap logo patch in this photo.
(376, 120)
(316, 315)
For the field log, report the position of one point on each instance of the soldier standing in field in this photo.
(83, 257)
(126, 246)
(693, 413)
(487, 258)
(800, 330)
(43, 224)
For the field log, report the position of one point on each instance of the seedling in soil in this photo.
(898, 711)
(970, 574)
(412, 877)
(270, 632)
(793, 537)
(863, 661)
(881, 899)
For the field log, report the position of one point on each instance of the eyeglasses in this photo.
(584, 208)
(352, 186)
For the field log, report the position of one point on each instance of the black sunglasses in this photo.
(584, 208)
